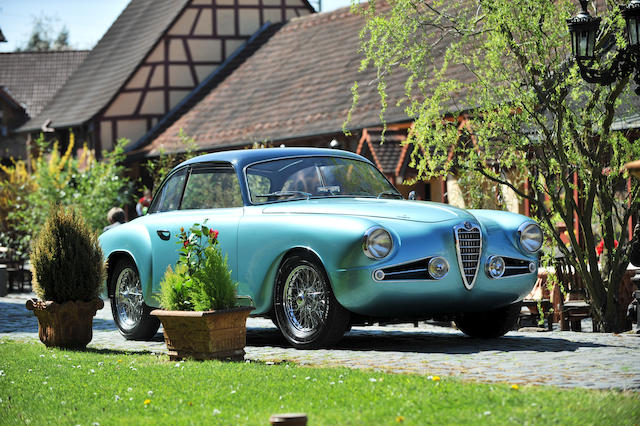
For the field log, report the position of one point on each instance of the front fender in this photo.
(264, 240)
(132, 240)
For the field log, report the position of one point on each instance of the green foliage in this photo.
(493, 94)
(174, 294)
(66, 258)
(92, 187)
(201, 280)
(16, 183)
(160, 167)
(101, 185)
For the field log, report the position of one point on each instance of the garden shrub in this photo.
(201, 280)
(67, 259)
(90, 186)
(16, 183)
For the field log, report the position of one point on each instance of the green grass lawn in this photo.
(48, 386)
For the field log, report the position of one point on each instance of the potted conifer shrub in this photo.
(199, 315)
(68, 274)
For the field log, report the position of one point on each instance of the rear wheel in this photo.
(130, 313)
(489, 324)
(307, 312)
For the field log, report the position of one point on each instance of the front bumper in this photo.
(357, 291)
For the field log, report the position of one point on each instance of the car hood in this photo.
(417, 211)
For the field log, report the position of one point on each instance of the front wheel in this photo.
(490, 324)
(130, 313)
(307, 312)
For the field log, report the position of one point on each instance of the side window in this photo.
(258, 185)
(212, 188)
(169, 196)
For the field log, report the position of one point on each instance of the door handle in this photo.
(164, 235)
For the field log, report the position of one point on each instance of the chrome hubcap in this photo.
(305, 301)
(128, 298)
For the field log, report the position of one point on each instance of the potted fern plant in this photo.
(68, 273)
(199, 315)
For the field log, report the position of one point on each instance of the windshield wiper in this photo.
(392, 193)
(284, 194)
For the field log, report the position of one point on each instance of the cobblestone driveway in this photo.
(568, 359)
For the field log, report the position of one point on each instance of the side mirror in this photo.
(412, 195)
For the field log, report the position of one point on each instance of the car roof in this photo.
(243, 157)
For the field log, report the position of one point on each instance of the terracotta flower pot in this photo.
(205, 335)
(66, 325)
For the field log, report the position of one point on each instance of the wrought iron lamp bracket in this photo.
(624, 63)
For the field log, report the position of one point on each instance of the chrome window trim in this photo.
(291, 157)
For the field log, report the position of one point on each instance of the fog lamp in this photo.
(438, 267)
(495, 266)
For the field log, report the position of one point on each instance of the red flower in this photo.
(213, 234)
(600, 246)
(185, 244)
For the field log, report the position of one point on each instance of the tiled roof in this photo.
(32, 78)
(296, 85)
(110, 63)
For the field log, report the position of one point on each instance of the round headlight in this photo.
(495, 267)
(438, 267)
(530, 237)
(377, 243)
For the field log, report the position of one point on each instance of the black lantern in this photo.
(631, 15)
(583, 29)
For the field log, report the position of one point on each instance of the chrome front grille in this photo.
(469, 247)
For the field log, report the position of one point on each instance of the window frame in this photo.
(211, 166)
(188, 168)
(301, 157)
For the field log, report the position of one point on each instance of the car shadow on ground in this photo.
(429, 342)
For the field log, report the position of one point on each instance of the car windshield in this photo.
(316, 177)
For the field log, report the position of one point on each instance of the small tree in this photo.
(493, 91)
(92, 187)
(42, 38)
(67, 259)
(158, 168)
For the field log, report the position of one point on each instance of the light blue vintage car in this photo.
(319, 240)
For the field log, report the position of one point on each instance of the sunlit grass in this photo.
(48, 386)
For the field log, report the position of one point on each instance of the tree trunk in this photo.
(608, 314)
(613, 319)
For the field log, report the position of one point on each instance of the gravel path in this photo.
(560, 358)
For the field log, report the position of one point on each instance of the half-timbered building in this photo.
(150, 59)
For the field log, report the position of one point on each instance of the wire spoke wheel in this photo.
(306, 301)
(128, 298)
(306, 310)
(130, 313)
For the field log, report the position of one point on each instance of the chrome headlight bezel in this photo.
(377, 243)
(530, 237)
(434, 271)
(495, 267)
